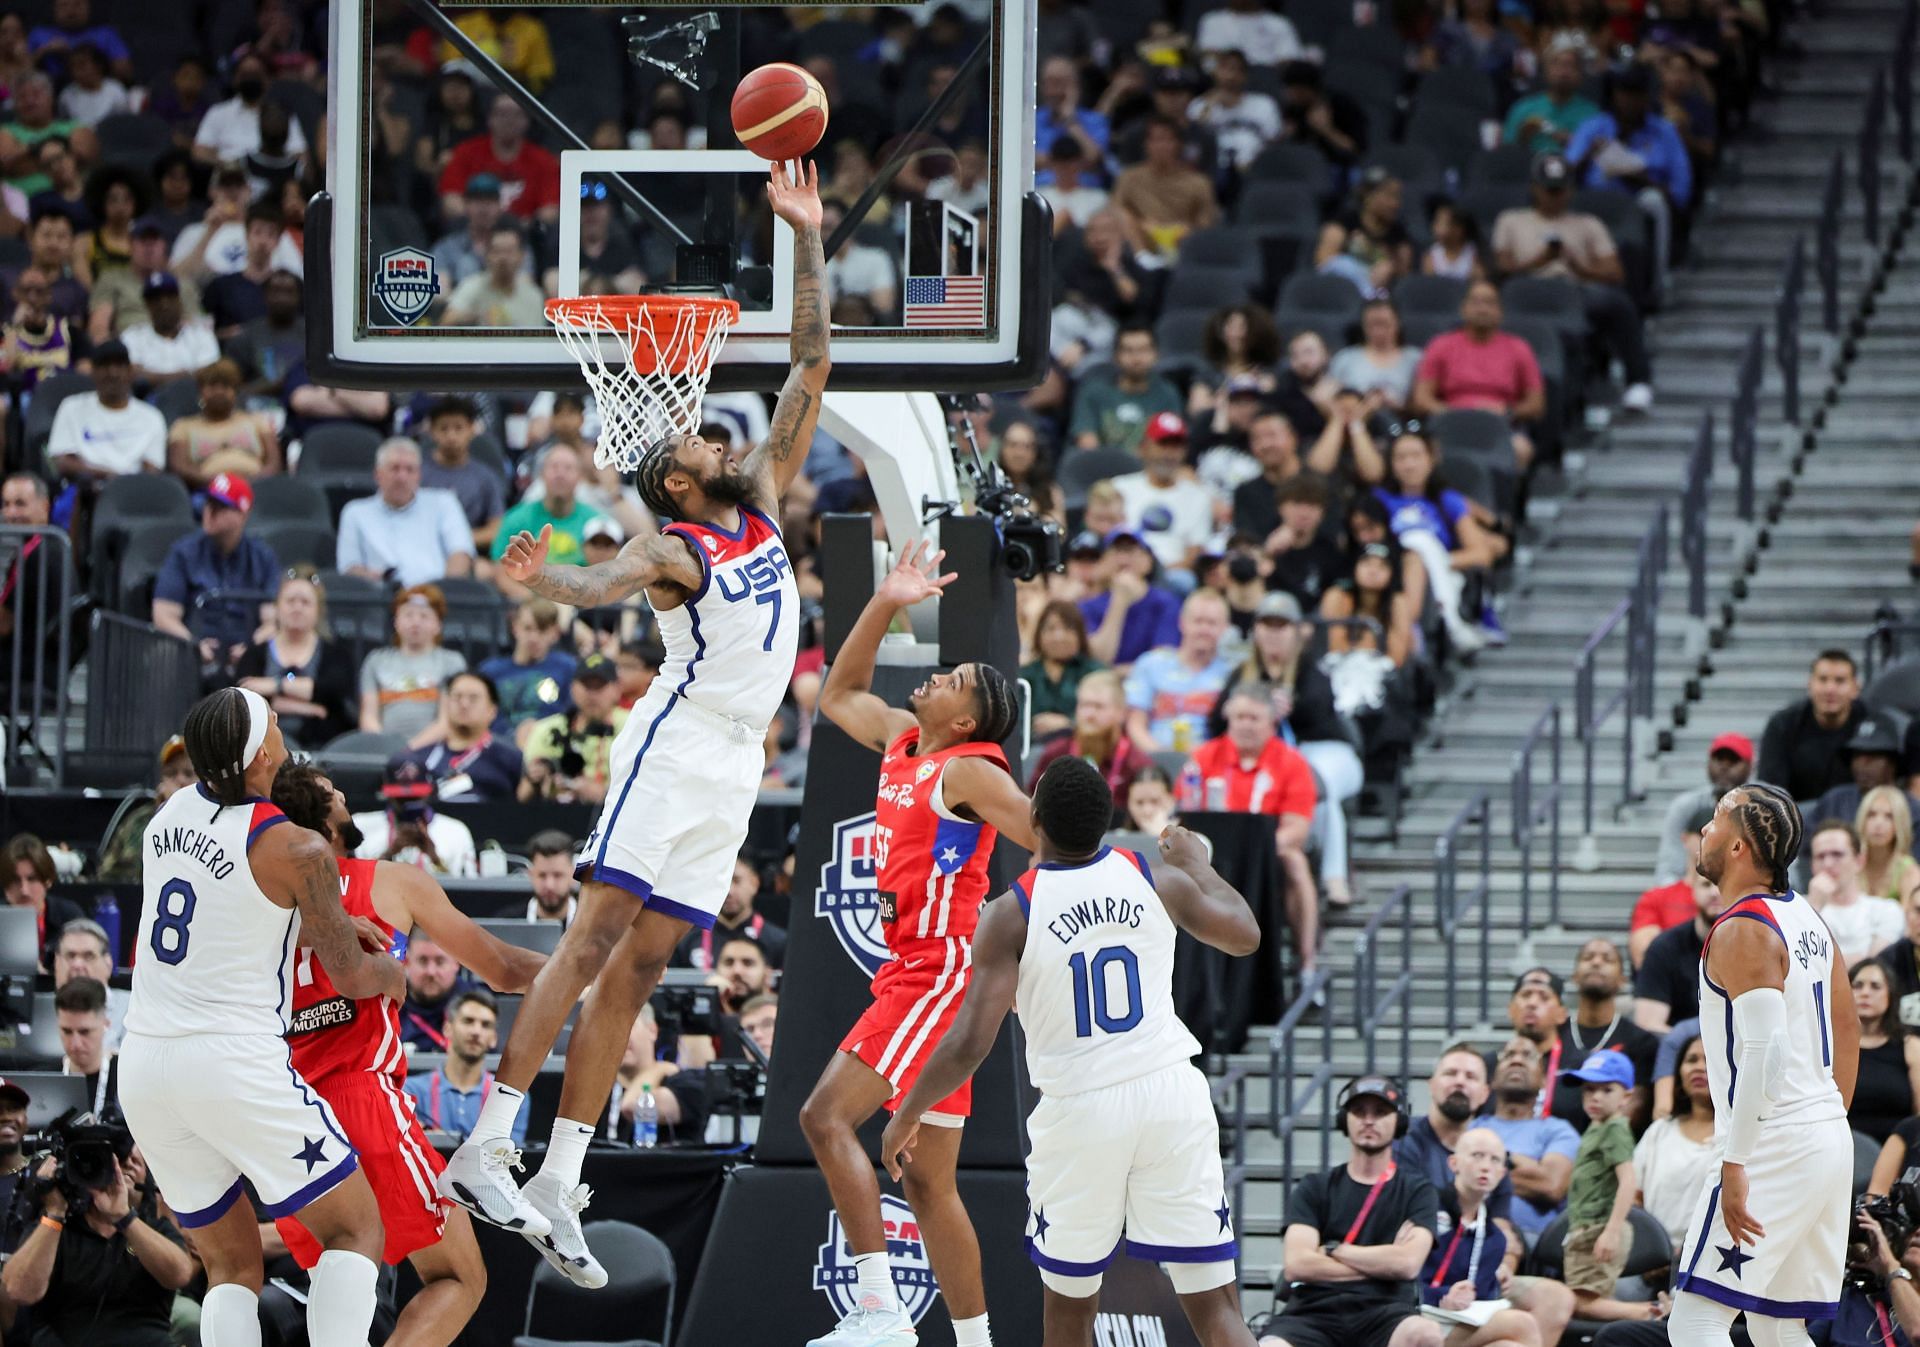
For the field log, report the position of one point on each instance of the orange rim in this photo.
(661, 344)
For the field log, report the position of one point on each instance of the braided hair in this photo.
(1073, 805)
(299, 791)
(996, 705)
(1772, 824)
(650, 478)
(216, 735)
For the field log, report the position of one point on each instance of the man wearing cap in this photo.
(567, 755)
(1873, 760)
(409, 831)
(463, 756)
(1630, 148)
(1666, 989)
(240, 296)
(167, 345)
(217, 244)
(1126, 614)
(1113, 412)
(529, 177)
(219, 557)
(1547, 239)
(107, 432)
(1357, 1236)
(117, 291)
(462, 253)
(1666, 906)
(1172, 91)
(482, 494)
(1544, 122)
(1804, 747)
(231, 129)
(558, 505)
(13, 1161)
(1729, 764)
(1172, 510)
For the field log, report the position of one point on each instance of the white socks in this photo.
(339, 1300)
(497, 1113)
(565, 1150)
(876, 1282)
(972, 1332)
(230, 1317)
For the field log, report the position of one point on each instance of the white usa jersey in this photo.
(214, 953)
(1096, 976)
(1803, 1089)
(730, 648)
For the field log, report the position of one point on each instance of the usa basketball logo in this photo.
(406, 281)
(913, 1281)
(848, 895)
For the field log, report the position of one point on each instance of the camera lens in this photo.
(1019, 560)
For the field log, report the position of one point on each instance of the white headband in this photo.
(258, 714)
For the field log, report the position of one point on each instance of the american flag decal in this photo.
(946, 301)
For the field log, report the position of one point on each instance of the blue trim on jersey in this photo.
(1741, 1300)
(285, 1003)
(1763, 917)
(1733, 1067)
(1066, 1269)
(731, 535)
(699, 648)
(701, 920)
(606, 874)
(193, 1220)
(764, 518)
(700, 554)
(1706, 1229)
(1183, 1253)
(1025, 899)
(1146, 871)
(1820, 1012)
(1095, 859)
(600, 860)
(314, 1191)
(253, 834)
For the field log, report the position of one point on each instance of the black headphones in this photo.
(1377, 1087)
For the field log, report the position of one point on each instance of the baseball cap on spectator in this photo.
(1165, 426)
(1737, 744)
(405, 779)
(174, 747)
(1126, 533)
(14, 1094)
(1277, 606)
(602, 527)
(1173, 77)
(236, 493)
(1242, 386)
(596, 670)
(1380, 550)
(160, 283)
(1605, 1067)
(482, 184)
(1552, 171)
(1543, 977)
(1876, 734)
(111, 352)
(147, 227)
(1086, 543)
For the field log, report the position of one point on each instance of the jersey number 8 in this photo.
(1090, 1006)
(172, 911)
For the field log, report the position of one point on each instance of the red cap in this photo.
(1166, 426)
(12, 1091)
(236, 493)
(1737, 744)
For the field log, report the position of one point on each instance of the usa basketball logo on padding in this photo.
(406, 281)
(913, 1280)
(848, 895)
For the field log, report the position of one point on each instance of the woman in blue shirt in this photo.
(1440, 528)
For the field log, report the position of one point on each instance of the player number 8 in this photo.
(172, 912)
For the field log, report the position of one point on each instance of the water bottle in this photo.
(646, 1121)
(107, 912)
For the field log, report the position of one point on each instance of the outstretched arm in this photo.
(407, 898)
(657, 559)
(992, 796)
(777, 461)
(846, 698)
(997, 945)
(295, 868)
(1201, 903)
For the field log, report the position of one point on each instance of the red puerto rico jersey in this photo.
(931, 863)
(331, 1033)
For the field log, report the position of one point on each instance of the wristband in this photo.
(53, 1223)
(120, 1226)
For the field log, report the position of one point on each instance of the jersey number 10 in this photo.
(1090, 1008)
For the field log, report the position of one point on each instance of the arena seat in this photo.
(638, 1294)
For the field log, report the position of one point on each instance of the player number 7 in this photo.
(771, 596)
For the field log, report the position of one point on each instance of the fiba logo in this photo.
(848, 895)
(913, 1279)
(406, 281)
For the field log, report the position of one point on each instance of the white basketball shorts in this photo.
(1134, 1164)
(208, 1109)
(1800, 1190)
(680, 788)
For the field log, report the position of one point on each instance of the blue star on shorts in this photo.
(313, 1153)
(1732, 1258)
(1223, 1212)
(1040, 1224)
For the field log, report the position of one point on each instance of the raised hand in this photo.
(526, 554)
(916, 577)
(797, 201)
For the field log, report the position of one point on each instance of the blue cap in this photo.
(1606, 1067)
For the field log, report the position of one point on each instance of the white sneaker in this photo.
(871, 1328)
(563, 1245)
(479, 1177)
(1638, 398)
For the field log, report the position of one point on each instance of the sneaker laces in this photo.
(504, 1157)
(575, 1199)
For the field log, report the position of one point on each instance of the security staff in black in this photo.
(1357, 1236)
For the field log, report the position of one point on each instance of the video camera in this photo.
(1030, 543)
(85, 1147)
(1897, 1214)
(679, 1010)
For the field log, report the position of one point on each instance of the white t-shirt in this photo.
(1264, 38)
(90, 107)
(124, 441)
(232, 130)
(1242, 130)
(192, 347)
(1673, 1170)
(227, 250)
(859, 270)
(973, 199)
(1859, 927)
(1079, 204)
(1174, 519)
(452, 841)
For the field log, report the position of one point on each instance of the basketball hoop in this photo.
(669, 341)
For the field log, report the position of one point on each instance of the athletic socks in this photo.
(230, 1316)
(972, 1332)
(565, 1151)
(340, 1300)
(876, 1282)
(497, 1113)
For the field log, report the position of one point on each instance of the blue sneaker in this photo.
(1490, 626)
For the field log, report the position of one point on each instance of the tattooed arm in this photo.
(777, 461)
(295, 868)
(659, 561)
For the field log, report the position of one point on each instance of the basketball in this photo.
(779, 111)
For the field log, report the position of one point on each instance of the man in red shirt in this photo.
(529, 176)
(1250, 770)
(1674, 904)
(1479, 367)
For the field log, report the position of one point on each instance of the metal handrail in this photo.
(1743, 438)
(1872, 129)
(1452, 908)
(1587, 718)
(1786, 328)
(1531, 806)
(1826, 243)
(1315, 988)
(1695, 500)
(36, 735)
(1371, 1006)
(1229, 1091)
(1903, 81)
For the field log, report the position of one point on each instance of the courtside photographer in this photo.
(1879, 1303)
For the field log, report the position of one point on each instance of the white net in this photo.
(662, 349)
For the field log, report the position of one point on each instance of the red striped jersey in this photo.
(331, 1033)
(932, 864)
(730, 648)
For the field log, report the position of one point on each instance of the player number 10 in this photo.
(1090, 1006)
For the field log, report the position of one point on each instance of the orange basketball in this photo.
(779, 111)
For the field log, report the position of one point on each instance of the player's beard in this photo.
(350, 836)
(728, 486)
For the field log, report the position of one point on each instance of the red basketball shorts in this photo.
(378, 1117)
(916, 996)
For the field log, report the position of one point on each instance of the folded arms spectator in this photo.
(220, 559)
